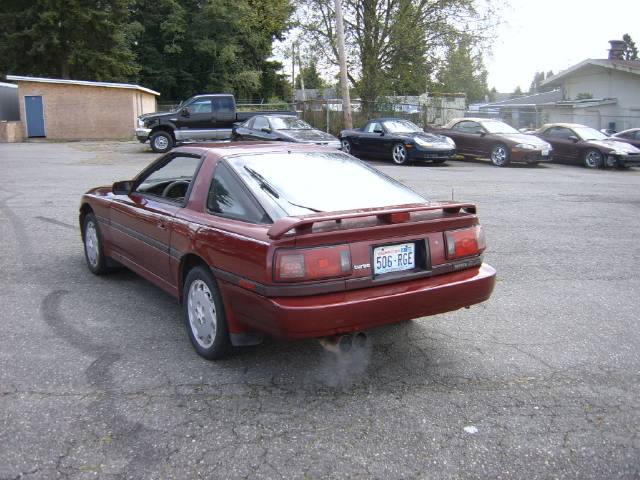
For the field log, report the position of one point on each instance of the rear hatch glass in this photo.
(300, 183)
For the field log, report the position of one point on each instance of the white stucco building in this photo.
(601, 93)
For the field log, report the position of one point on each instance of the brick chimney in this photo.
(616, 52)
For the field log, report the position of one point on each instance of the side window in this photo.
(560, 133)
(223, 104)
(637, 135)
(249, 123)
(228, 198)
(170, 180)
(372, 127)
(467, 127)
(260, 122)
(201, 106)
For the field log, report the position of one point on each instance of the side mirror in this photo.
(185, 112)
(481, 132)
(122, 188)
(265, 130)
(574, 139)
(379, 130)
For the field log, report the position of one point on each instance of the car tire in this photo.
(399, 154)
(161, 141)
(500, 155)
(593, 158)
(204, 314)
(92, 239)
(346, 146)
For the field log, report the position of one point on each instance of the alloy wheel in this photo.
(499, 155)
(91, 244)
(399, 154)
(202, 313)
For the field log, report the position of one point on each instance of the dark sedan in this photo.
(503, 144)
(286, 128)
(631, 136)
(582, 145)
(399, 139)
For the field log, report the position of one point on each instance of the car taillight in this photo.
(312, 263)
(465, 242)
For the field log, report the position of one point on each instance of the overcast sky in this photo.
(554, 35)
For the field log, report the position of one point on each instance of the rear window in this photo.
(306, 182)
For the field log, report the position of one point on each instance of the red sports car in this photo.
(286, 240)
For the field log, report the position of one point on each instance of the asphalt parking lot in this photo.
(98, 379)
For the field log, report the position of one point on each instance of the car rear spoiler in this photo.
(303, 223)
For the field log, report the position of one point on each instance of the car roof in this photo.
(385, 119)
(226, 149)
(564, 125)
(627, 130)
(472, 119)
(274, 115)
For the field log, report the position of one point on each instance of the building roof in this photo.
(528, 100)
(586, 103)
(17, 78)
(10, 85)
(629, 66)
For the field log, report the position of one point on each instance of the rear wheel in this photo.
(593, 159)
(204, 314)
(500, 155)
(161, 141)
(346, 145)
(399, 154)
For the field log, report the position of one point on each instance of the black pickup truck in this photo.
(201, 117)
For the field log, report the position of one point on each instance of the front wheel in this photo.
(399, 154)
(161, 141)
(204, 315)
(93, 253)
(500, 155)
(346, 146)
(593, 159)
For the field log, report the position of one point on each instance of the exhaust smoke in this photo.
(345, 359)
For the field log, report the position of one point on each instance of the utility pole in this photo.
(293, 73)
(346, 99)
(304, 96)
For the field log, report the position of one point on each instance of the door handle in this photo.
(162, 225)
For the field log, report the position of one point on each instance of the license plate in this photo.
(394, 258)
(545, 153)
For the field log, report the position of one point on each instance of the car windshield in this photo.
(588, 133)
(398, 126)
(306, 182)
(498, 127)
(289, 123)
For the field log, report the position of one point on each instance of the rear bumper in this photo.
(530, 156)
(349, 311)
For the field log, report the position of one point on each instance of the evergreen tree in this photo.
(71, 39)
(631, 51)
(312, 78)
(463, 71)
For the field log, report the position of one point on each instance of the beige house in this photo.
(58, 109)
(600, 93)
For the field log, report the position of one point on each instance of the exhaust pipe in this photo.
(344, 343)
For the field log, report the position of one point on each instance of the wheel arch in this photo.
(85, 209)
(187, 263)
(163, 128)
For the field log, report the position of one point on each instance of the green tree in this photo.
(192, 46)
(393, 46)
(536, 83)
(68, 39)
(463, 72)
(516, 93)
(631, 51)
(311, 77)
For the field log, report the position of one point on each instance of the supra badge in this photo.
(362, 266)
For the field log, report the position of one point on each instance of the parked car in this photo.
(287, 128)
(503, 144)
(582, 145)
(202, 117)
(608, 132)
(398, 139)
(292, 241)
(631, 136)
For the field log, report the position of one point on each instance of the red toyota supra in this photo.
(285, 240)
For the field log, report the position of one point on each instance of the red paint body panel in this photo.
(335, 313)
(154, 238)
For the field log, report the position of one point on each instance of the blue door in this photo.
(35, 116)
